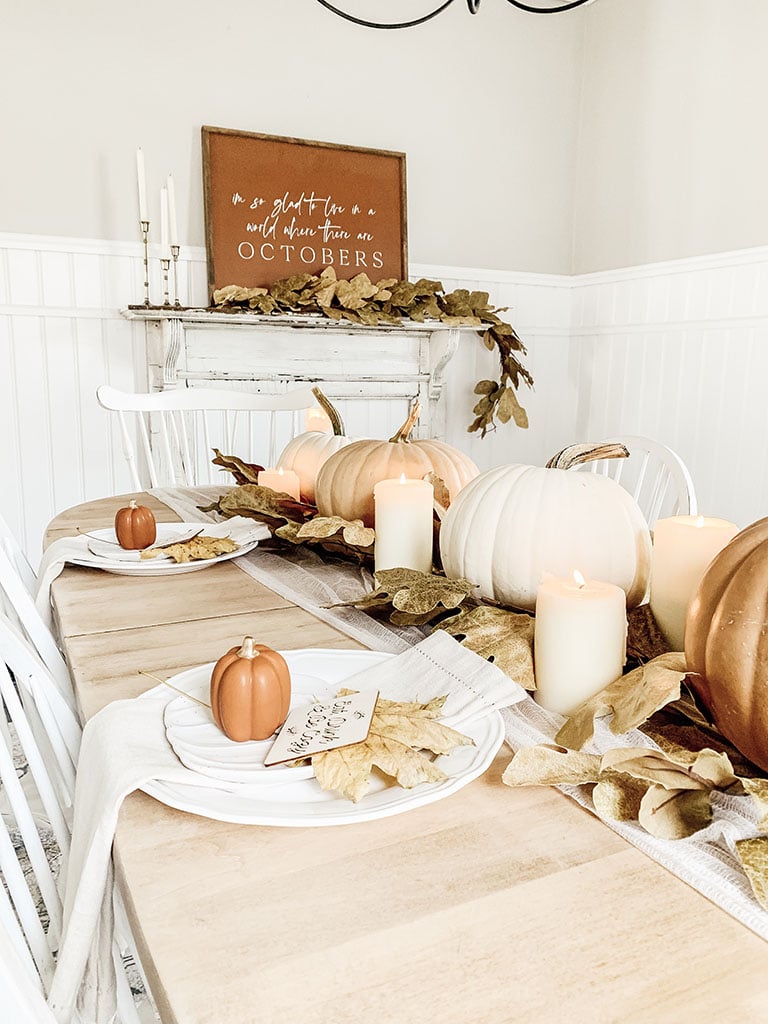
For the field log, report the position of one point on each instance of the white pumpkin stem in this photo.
(248, 649)
(576, 454)
(133, 503)
(330, 411)
(402, 436)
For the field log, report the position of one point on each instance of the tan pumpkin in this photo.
(250, 691)
(513, 525)
(307, 452)
(345, 483)
(135, 527)
(726, 641)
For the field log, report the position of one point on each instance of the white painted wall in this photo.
(672, 152)
(485, 108)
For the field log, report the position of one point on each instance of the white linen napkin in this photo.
(124, 747)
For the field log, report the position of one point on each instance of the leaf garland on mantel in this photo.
(390, 301)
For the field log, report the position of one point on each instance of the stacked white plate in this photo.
(283, 794)
(105, 553)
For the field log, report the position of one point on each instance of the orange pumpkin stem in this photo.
(403, 435)
(248, 649)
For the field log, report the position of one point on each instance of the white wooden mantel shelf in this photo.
(194, 347)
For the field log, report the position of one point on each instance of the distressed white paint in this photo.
(676, 351)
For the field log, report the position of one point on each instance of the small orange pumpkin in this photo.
(726, 641)
(250, 691)
(135, 527)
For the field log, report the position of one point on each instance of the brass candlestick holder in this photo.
(145, 238)
(166, 265)
(175, 255)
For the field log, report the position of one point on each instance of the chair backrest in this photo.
(175, 431)
(655, 475)
(13, 551)
(39, 740)
(18, 605)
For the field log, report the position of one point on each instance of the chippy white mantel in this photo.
(263, 353)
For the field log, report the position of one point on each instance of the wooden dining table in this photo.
(492, 905)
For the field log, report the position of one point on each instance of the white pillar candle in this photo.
(580, 640)
(172, 210)
(317, 419)
(284, 480)
(164, 217)
(403, 524)
(683, 547)
(142, 180)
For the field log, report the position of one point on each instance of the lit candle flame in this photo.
(699, 522)
(578, 579)
(280, 470)
(402, 478)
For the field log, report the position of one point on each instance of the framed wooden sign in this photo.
(275, 207)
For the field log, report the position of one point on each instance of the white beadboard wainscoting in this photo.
(676, 351)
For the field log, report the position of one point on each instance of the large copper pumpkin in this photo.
(726, 641)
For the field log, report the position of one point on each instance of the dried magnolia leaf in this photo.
(194, 550)
(500, 636)
(674, 814)
(681, 769)
(263, 503)
(399, 731)
(442, 500)
(546, 765)
(243, 472)
(645, 641)
(753, 854)
(414, 593)
(618, 797)
(758, 790)
(632, 699)
(321, 527)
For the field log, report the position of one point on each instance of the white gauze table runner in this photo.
(706, 860)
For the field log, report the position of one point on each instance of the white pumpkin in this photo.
(308, 452)
(513, 525)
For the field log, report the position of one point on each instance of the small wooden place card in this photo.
(324, 725)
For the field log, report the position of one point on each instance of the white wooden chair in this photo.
(16, 556)
(37, 730)
(655, 475)
(18, 605)
(176, 430)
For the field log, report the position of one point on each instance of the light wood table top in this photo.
(493, 905)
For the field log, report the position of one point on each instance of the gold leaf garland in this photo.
(390, 301)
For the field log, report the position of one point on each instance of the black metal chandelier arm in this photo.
(547, 10)
(473, 5)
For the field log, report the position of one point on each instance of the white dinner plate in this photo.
(301, 803)
(101, 555)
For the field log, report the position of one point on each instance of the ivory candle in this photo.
(317, 419)
(172, 210)
(142, 181)
(403, 524)
(164, 217)
(283, 480)
(580, 640)
(683, 547)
